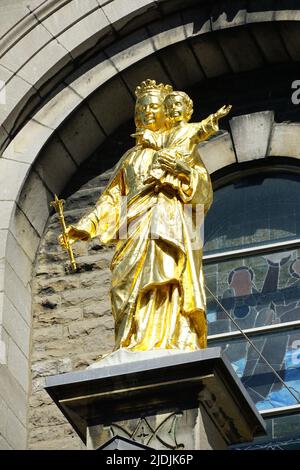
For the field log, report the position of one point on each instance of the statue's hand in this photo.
(222, 112)
(62, 238)
(165, 161)
(173, 165)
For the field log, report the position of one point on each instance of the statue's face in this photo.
(176, 108)
(149, 112)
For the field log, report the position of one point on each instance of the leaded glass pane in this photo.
(256, 291)
(282, 351)
(283, 433)
(257, 210)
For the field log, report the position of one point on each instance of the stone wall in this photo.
(72, 323)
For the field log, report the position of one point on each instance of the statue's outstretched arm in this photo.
(210, 125)
(103, 220)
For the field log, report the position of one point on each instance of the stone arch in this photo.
(39, 120)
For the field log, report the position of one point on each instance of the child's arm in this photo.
(210, 125)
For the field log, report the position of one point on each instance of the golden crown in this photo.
(148, 86)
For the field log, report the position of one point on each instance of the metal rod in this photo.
(257, 330)
(250, 251)
(58, 205)
(280, 411)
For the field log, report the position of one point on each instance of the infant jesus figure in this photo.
(176, 143)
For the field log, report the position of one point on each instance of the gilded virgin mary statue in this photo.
(149, 211)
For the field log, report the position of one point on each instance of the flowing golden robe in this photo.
(157, 292)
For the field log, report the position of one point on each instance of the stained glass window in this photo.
(282, 351)
(253, 211)
(256, 290)
(282, 434)
(252, 266)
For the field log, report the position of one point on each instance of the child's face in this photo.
(175, 108)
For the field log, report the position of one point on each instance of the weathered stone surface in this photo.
(82, 135)
(3, 132)
(14, 172)
(3, 420)
(13, 394)
(236, 56)
(28, 143)
(18, 259)
(217, 153)
(5, 76)
(51, 433)
(2, 277)
(6, 210)
(16, 432)
(197, 21)
(121, 12)
(222, 19)
(270, 43)
(73, 442)
(129, 50)
(285, 140)
(164, 36)
(287, 14)
(51, 367)
(26, 48)
(250, 134)
(72, 321)
(3, 242)
(84, 327)
(55, 154)
(255, 15)
(12, 12)
(48, 333)
(4, 445)
(18, 364)
(49, 60)
(84, 34)
(51, 417)
(105, 105)
(16, 326)
(58, 108)
(181, 65)
(210, 56)
(18, 92)
(18, 294)
(149, 67)
(290, 34)
(68, 14)
(24, 233)
(91, 79)
(97, 309)
(59, 317)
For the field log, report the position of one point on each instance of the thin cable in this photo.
(255, 348)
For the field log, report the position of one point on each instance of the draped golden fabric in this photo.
(157, 293)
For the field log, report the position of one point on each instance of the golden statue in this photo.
(157, 292)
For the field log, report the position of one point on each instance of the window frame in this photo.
(230, 175)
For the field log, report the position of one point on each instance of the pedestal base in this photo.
(162, 399)
(182, 430)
